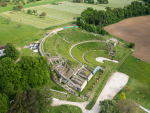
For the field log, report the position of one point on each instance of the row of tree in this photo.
(94, 18)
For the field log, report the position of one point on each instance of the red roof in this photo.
(2, 46)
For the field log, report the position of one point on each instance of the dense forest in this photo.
(147, 1)
(15, 79)
(93, 21)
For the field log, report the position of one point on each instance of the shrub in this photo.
(122, 96)
(20, 6)
(19, 24)
(54, 3)
(29, 11)
(43, 14)
(127, 89)
(3, 4)
(14, 8)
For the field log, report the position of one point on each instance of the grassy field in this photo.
(55, 14)
(143, 95)
(38, 3)
(54, 17)
(139, 80)
(117, 3)
(137, 69)
(25, 35)
(65, 109)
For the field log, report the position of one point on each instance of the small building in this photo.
(2, 48)
(34, 46)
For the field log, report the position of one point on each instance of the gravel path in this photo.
(101, 59)
(115, 83)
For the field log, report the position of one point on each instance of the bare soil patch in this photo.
(135, 30)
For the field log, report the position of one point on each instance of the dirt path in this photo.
(134, 30)
(115, 83)
(19, 55)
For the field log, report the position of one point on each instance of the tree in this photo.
(108, 106)
(45, 99)
(34, 11)
(20, 7)
(3, 4)
(4, 103)
(32, 101)
(9, 90)
(11, 51)
(108, 8)
(131, 45)
(122, 96)
(127, 106)
(6, 72)
(19, 104)
(43, 14)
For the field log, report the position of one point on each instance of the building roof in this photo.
(2, 46)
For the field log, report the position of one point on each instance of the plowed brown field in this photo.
(135, 30)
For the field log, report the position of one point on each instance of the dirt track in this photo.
(135, 30)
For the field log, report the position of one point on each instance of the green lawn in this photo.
(139, 72)
(143, 95)
(137, 69)
(65, 109)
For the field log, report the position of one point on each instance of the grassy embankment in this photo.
(65, 109)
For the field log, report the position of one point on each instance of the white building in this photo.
(2, 48)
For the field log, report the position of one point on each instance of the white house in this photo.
(2, 48)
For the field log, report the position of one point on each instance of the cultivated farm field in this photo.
(134, 30)
(55, 14)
